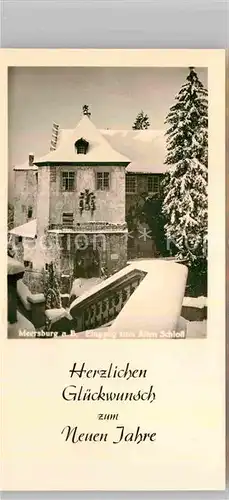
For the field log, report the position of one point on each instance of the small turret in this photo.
(31, 159)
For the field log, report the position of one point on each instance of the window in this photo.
(28, 264)
(36, 175)
(81, 149)
(81, 146)
(68, 181)
(30, 212)
(131, 184)
(67, 219)
(153, 184)
(102, 181)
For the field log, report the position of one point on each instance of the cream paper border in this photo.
(189, 375)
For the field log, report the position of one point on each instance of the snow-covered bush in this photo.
(52, 288)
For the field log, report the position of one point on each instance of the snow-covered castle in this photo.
(70, 205)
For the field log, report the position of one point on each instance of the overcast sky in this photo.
(39, 96)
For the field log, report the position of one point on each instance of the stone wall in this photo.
(110, 204)
(43, 198)
(108, 249)
(25, 195)
(116, 254)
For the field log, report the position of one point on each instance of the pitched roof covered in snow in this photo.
(142, 151)
(145, 148)
(100, 149)
(27, 230)
(26, 166)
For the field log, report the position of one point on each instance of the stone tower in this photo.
(81, 203)
(25, 191)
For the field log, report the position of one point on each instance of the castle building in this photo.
(71, 205)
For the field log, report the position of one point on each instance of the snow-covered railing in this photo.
(103, 302)
(144, 296)
(155, 306)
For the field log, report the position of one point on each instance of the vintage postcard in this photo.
(115, 234)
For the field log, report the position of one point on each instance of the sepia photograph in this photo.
(107, 202)
(114, 164)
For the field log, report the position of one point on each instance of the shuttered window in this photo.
(67, 219)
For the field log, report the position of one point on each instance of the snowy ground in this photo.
(195, 302)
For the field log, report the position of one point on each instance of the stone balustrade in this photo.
(145, 295)
(105, 301)
(91, 226)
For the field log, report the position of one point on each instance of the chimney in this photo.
(31, 159)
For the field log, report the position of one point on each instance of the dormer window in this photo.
(81, 146)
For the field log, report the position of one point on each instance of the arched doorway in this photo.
(86, 263)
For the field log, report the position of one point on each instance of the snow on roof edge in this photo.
(27, 230)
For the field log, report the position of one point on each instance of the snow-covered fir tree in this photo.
(142, 122)
(185, 185)
(52, 288)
